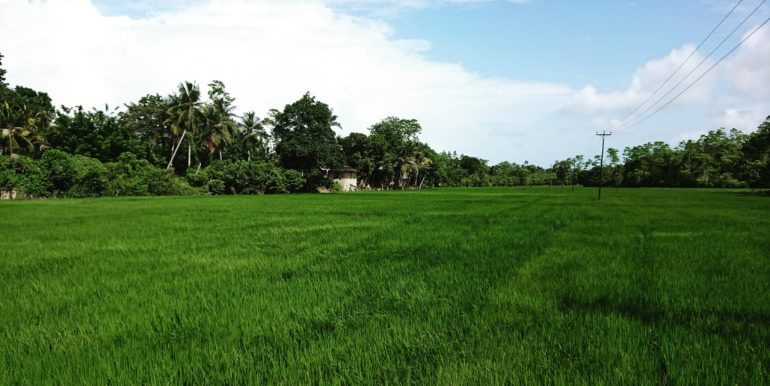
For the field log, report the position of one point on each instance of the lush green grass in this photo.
(451, 287)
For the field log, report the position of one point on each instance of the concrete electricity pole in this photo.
(604, 135)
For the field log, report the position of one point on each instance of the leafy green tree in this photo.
(713, 160)
(393, 141)
(2, 72)
(96, 133)
(305, 139)
(651, 164)
(756, 157)
(149, 120)
(446, 170)
(475, 171)
(356, 152)
(614, 174)
(563, 171)
(35, 103)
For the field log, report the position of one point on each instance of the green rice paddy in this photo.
(466, 286)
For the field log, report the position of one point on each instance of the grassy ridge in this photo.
(451, 286)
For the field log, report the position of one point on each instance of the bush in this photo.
(216, 186)
(7, 175)
(250, 177)
(61, 170)
(295, 182)
(159, 182)
(91, 177)
(130, 176)
(24, 175)
(182, 188)
(198, 180)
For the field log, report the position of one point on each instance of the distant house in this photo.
(8, 195)
(347, 178)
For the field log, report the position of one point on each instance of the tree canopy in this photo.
(297, 148)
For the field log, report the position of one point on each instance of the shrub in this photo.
(61, 170)
(130, 176)
(7, 175)
(198, 180)
(24, 175)
(91, 177)
(182, 188)
(159, 182)
(250, 177)
(216, 186)
(295, 182)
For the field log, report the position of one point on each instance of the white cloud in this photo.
(645, 81)
(268, 54)
(749, 70)
(747, 118)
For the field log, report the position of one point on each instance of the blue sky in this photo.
(572, 42)
(501, 79)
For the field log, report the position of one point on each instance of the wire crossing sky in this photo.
(503, 80)
(665, 82)
(644, 114)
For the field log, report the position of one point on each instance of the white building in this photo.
(347, 178)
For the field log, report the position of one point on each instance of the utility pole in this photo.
(604, 135)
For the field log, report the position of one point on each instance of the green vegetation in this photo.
(474, 286)
(295, 149)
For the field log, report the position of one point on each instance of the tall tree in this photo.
(756, 156)
(185, 116)
(14, 135)
(149, 121)
(220, 126)
(95, 133)
(305, 139)
(393, 140)
(356, 151)
(253, 134)
(2, 72)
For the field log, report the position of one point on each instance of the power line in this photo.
(694, 51)
(622, 126)
(701, 76)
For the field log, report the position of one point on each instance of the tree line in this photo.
(184, 143)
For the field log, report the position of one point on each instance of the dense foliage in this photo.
(180, 143)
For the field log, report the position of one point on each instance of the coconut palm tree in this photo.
(254, 134)
(185, 116)
(220, 127)
(14, 134)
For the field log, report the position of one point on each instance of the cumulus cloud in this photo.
(734, 95)
(644, 82)
(744, 118)
(268, 54)
(749, 70)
